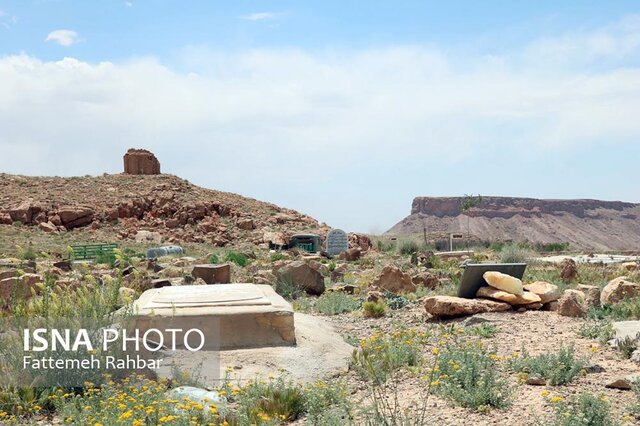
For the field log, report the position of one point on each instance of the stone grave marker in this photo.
(229, 315)
(337, 242)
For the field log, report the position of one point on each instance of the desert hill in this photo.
(588, 224)
(121, 205)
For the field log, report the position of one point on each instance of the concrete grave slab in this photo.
(229, 315)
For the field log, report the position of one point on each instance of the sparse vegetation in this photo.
(484, 330)
(514, 253)
(600, 330)
(558, 369)
(336, 302)
(469, 374)
(585, 409)
(374, 309)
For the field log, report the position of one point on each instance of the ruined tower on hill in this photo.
(141, 162)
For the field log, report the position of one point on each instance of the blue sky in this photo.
(342, 110)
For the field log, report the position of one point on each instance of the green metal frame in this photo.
(91, 251)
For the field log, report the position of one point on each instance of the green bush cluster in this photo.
(468, 373)
(336, 302)
(558, 369)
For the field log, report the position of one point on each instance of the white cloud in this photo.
(63, 37)
(311, 129)
(7, 20)
(128, 3)
(261, 16)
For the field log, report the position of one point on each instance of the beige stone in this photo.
(229, 315)
(548, 292)
(450, 306)
(591, 295)
(504, 282)
(617, 290)
(571, 304)
(513, 299)
(213, 274)
(394, 280)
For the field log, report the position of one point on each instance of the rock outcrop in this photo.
(394, 280)
(141, 162)
(582, 223)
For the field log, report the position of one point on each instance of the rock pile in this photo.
(141, 162)
(503, 293)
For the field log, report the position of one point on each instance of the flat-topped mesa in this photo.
(141, 162)
(507, 207)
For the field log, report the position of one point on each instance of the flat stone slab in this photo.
(229, 315)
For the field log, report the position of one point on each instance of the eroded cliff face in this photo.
(506, 207)
(589, 224)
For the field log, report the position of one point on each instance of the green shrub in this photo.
(374, 309)
(277, 256)
(600, 330)
(336, 302)
(627, 346)
(214, 259)
(287, 289)
(627, 309)
(468, 374)
(395, 301)
(327, 403)
(379, 355)
(385, 246)
(514, 253)
(557, 369)
(583, 410)
(274, 399)
(408, 247)
(484, 330)
(237, 258)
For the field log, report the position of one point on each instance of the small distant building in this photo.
(308, 242)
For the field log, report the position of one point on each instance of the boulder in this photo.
(591, 295)
(394, 280)
(303, 276)
(9, 273)
(350, 255)
(361, 241)
(246, 224)
(629, 266)
(75, 216)
(426, 279)
(568, 270)
(617, 290)
(504, 282)
(513, 299)
(450, 306)
(47, 227)
(264, 277)
(547, 292)
(536, 306)
(23, 287)
(65, 265)
(571, 304)
(213, 274)
(141, 162)
(143, 236)
(375, 296)
(160, 282)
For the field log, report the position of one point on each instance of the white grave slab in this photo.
(230, 315)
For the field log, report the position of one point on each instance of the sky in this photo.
(344, 110)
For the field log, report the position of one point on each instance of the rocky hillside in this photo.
(588, 224)
(154, 207)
